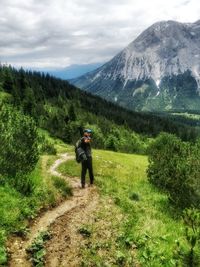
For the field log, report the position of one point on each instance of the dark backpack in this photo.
(79, 152)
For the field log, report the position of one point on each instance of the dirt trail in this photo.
(62, 221)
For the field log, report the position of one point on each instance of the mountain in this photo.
(158, 71)
(70, 72)
(73, 71)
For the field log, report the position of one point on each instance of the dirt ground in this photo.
(63, 222)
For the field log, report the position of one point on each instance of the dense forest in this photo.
(64, 110)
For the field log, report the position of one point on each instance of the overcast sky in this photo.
(59, 33)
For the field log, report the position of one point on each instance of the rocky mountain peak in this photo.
(165, 49)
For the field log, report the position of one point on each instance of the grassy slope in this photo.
(16, 209)
(147, 219)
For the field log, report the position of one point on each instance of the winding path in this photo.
(62, 221)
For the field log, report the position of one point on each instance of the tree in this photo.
(71, 113)
(8, 81)
(111, 143)
(29, 104)
(18, 148)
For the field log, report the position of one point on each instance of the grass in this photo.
(134, 221)
(16, 209)
(150, 223)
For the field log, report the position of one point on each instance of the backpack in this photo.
(79, 152)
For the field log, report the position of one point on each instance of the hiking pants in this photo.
(87, 165)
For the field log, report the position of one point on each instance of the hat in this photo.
(87, 131)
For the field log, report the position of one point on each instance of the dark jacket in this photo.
(82, 150)
(86, 147)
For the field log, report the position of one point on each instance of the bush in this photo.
(112, 143)
(187, 253)
(174, 167)
(19, 147)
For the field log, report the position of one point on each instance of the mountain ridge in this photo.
(164, 51)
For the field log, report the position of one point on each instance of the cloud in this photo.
(57, 33)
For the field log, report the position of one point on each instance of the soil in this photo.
(63, 222)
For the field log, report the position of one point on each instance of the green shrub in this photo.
(112, 143)
(174, 167)
(189, 254)
(18, 147)
(37, 250)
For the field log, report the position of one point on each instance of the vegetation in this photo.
(37, 249)
(189, 255)
(16, 206)
(146, 228)
(174, 168)
(32, 105)
(19, 149)
(64, 110)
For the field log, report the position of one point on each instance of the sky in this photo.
(59, 33)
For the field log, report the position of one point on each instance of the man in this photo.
(86, 161)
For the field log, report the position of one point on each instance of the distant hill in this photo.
(64, 110)
(70, 72)
(158, 71)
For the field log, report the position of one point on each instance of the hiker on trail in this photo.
(84, 155)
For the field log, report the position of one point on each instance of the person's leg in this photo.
(90, 169)
(83, 173)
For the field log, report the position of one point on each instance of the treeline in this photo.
(64, 110)
(182, 118)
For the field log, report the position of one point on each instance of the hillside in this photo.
(158, 71)
(142, 215)
(64, 110)
(87, 234)
(42, 206)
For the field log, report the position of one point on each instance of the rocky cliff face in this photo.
(159, 70)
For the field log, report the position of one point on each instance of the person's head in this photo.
(87, 132)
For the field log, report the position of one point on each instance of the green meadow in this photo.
(149, 229)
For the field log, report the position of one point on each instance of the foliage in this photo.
(37, 249)
(189, 255)
(16, 208)
(63, 110)
(18, 146)
(111, 143)
(174, 167)
(191, 219)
